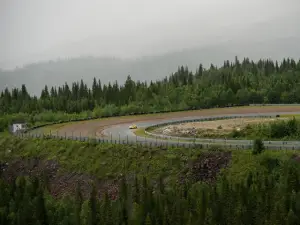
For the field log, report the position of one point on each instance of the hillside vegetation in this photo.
(144, 186)
(99, 160)
(235, 83)
(288, 129)
(283, 130)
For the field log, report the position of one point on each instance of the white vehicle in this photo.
(18, 127)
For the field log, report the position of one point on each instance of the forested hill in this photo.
(238, 82)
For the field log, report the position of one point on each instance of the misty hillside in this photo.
(53, 73)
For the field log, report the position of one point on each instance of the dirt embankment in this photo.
(59, 183)
(207, 167)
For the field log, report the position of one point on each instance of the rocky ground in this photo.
(207, 167)
(59, 182)
(296, 158)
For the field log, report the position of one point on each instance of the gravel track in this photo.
(116, 129)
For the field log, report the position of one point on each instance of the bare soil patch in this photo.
(59, 183)
(213, 127)
(96, 127)
(296, 157)
(207, 167)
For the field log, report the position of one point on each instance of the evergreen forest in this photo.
(261, 188)
(235, 83)
(66, 182)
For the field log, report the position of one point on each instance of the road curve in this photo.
(122, 133)
(115, 130)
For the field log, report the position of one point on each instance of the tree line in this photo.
(235, 83)
(270, 196)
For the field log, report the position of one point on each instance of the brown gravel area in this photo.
(92, 127)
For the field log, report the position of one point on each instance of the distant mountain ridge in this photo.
(54, 73)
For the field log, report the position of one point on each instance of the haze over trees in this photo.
(155, 67)
(78, 60)
(240, 82)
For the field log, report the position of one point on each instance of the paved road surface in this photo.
(123, 133)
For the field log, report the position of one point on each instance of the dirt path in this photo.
(92, 127)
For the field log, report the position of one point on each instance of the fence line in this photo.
(211, 118)
(170, 141)
(93, 117)
(292, 104)
(223, 142)
(155, 142)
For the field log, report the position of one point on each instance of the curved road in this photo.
(122, 133)
(117, 131)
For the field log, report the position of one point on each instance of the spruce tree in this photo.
(258, 147)
(40, 208)
(78, 203)
(93, 206)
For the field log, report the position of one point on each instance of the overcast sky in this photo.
(131, 28)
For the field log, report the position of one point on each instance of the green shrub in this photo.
(258, 147)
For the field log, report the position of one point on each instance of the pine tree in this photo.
(148, 220)
(40, 208)
(161, 185)
(78, 203)
(136, 194)
(258, 147)
(292, 219)
(93, 206)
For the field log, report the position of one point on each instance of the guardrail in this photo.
(211, 118)
(153, 143)
(167, 141)
(219, 141)
(293, 104)
(93, 117)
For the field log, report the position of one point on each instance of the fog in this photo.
(34, 30)
(47, 42)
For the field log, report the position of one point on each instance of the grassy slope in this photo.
(108, 161)
(297, 116)
(99, 160)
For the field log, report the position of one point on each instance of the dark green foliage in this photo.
(237, 83)
(262, 198)
(258, 146)
(93, 207)
(270, 164)
(281, 129)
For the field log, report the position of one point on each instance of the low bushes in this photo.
(281, 129)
